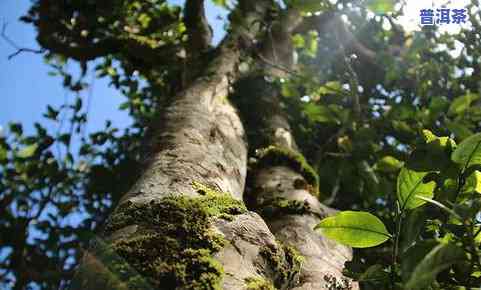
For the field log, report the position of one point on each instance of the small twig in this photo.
(335, 190)
(278, 66)
(338, 154)
(352, 77)
(14, 45)
(320, 150)
(397, 225)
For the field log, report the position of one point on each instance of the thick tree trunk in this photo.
(184, 224)
(284, 192)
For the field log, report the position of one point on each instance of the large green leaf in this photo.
(468, 152)
(412, 227)
(27, 151)
(461, 104)
(410, 184)
(440, 257)
(354, 228)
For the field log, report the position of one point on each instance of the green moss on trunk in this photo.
(173, 245)
(285, 265)
(278, 206)
(279, 156)
(257, 283)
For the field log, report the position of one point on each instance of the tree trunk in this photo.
(184, 223)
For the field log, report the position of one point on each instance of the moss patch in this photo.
(257, 283)
(274, 155)
(285, 265)
(278, 206)
(174, 244)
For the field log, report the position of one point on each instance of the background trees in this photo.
(354, 100)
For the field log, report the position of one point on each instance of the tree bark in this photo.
(285, 193)
(184, 224)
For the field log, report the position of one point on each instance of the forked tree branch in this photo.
(14, 45)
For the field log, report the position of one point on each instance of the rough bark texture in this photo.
(287, 200)
(197, 171)
(184, 224)
(286, 194)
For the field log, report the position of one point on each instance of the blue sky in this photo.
(26, 88)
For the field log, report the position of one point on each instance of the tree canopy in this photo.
(386, 117)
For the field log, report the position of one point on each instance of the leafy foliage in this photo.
(452, 232)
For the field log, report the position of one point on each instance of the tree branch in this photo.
(329, 21)
(198, 29)
(14, 45)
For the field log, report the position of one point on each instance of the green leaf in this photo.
(409, 184)
(27, 151)
(468, 152)
(289, 90)
(16, 128)
(432, 156)
(444, 141)
(439, 258)
(438, 106)
(111, 71)
(413, 256)
(461, 104)
(460, 130)
(330, 87)
(354, 228)
(388, 164)
(144, 20)
(412, 226)
(3, 154)
(402, 127)
(380, 6)
(51, 113)
(321, 114)
(473, 183)
(438, 204)
(312, 39)
(298, 41)
(124, 106)
(375, 272)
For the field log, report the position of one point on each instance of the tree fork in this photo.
(198, 162)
